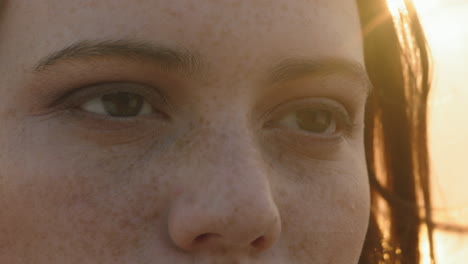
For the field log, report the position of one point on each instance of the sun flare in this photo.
(426, 6)
(396, 6)
(423, 6)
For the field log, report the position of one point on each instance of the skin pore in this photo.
(246, 145)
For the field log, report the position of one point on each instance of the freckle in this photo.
(91, 5)
(207, 32)
(235, 3)
(192, 125)
(174, 13)
(283, 193)
(124, 224)
(151, 218)
(204, 122)
(216, 43)
(191, 6)
(201, 120)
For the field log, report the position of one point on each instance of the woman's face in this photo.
(181, 131)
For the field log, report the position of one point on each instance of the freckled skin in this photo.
(211, 185)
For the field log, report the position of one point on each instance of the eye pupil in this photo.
(122, 104)
(316, 121)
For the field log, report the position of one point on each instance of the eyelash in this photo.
(72, 100)
(70, 103)
(344, 121)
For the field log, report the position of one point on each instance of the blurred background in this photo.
(446, 26)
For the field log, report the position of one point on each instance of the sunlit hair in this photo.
(398, 64)
(397, 8)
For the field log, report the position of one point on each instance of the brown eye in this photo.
(120, 104)
(315, 121)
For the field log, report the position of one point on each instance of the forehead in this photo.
(220, 30)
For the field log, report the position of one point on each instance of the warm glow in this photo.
(423, 6)
(426, 6)
(444, 22)
(396, 6)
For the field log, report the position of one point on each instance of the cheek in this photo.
(325, 211)
(55, 191)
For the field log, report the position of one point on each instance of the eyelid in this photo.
(76, 97)
(321, 103)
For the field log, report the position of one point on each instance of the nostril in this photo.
(204, 237)
(201, 238)
(259, 242)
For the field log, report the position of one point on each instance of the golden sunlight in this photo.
(424, 6)
(396, 6)
(444, 24)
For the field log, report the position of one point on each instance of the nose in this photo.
(229, 207)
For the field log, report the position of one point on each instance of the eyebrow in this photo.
(179, 59)
(169, 58)
(296, 68)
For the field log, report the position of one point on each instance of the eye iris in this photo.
(316, 121)
(122, 104)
